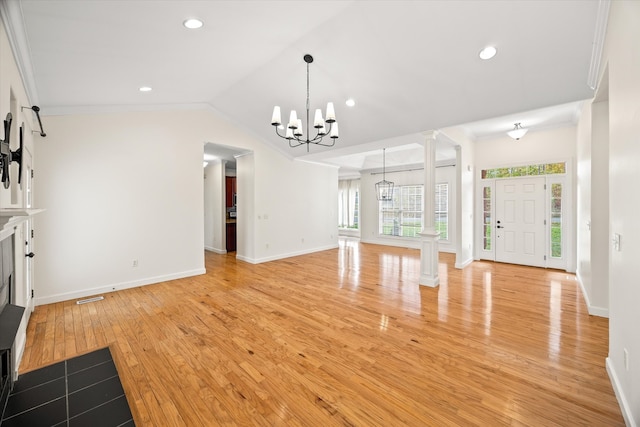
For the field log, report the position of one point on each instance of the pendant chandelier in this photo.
(384, 188)
(295, 133)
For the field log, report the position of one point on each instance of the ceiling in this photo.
(410, 66)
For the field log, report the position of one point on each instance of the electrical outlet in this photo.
(626, 359)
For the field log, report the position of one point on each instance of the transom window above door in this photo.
(528, 170)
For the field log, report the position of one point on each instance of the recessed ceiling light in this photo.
(350, 102)
(488, 52)
(193, 23)
(145, 89)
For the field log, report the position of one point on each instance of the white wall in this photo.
(214, 207)
(622, 57)
(465, 167)
(583, 207)
(245, 208)
(296, 206)
(117, 188)
(598, 300)
(535, 147)
(129, 186)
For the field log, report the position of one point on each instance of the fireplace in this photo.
(10, 317)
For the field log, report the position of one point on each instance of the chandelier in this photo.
(295, 132)
(384, 188)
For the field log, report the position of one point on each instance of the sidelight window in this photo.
(556, 221)
(486, 218)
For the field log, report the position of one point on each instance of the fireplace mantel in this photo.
(11, 217)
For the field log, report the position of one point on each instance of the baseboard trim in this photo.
(463, 264)
(216, 250)
(116, 287)
(625, 408)
(283, 256)
(593, 310)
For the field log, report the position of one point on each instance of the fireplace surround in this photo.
(10, 317)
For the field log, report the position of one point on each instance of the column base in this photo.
(429, 258)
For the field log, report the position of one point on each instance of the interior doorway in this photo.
(222, 183)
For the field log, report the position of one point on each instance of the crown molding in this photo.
(13, 20)
(602, 18)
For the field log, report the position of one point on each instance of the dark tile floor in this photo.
(83, 391)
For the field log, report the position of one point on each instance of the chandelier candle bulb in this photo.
(334, 130)
(293, 119)
(276, 119)
(318, 122)
(331, 113)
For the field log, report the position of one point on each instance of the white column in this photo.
(429, 236)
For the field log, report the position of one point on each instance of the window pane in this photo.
(442, 211)
(554, 168)
(402, 216)
(486, 218)
(539, 169)
(348, 203)
(556, 220)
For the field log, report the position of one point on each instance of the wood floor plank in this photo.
(345, 337)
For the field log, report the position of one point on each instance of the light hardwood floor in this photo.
(346, 337)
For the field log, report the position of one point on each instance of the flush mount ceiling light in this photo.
(145, 89)
(193, 23)
(488, 52)
(350, 102)
(295, 131)
(517, 132)
(384, 188)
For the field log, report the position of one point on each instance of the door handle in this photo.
(499, 226)
(30, 255)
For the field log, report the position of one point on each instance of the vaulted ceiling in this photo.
(410, 66)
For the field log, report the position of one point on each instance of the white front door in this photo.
(520, 221)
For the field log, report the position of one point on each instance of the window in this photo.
(348, 203)
(530, 170)
(402, 215)
(442, 210)
(556, 221)
(486, 218)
